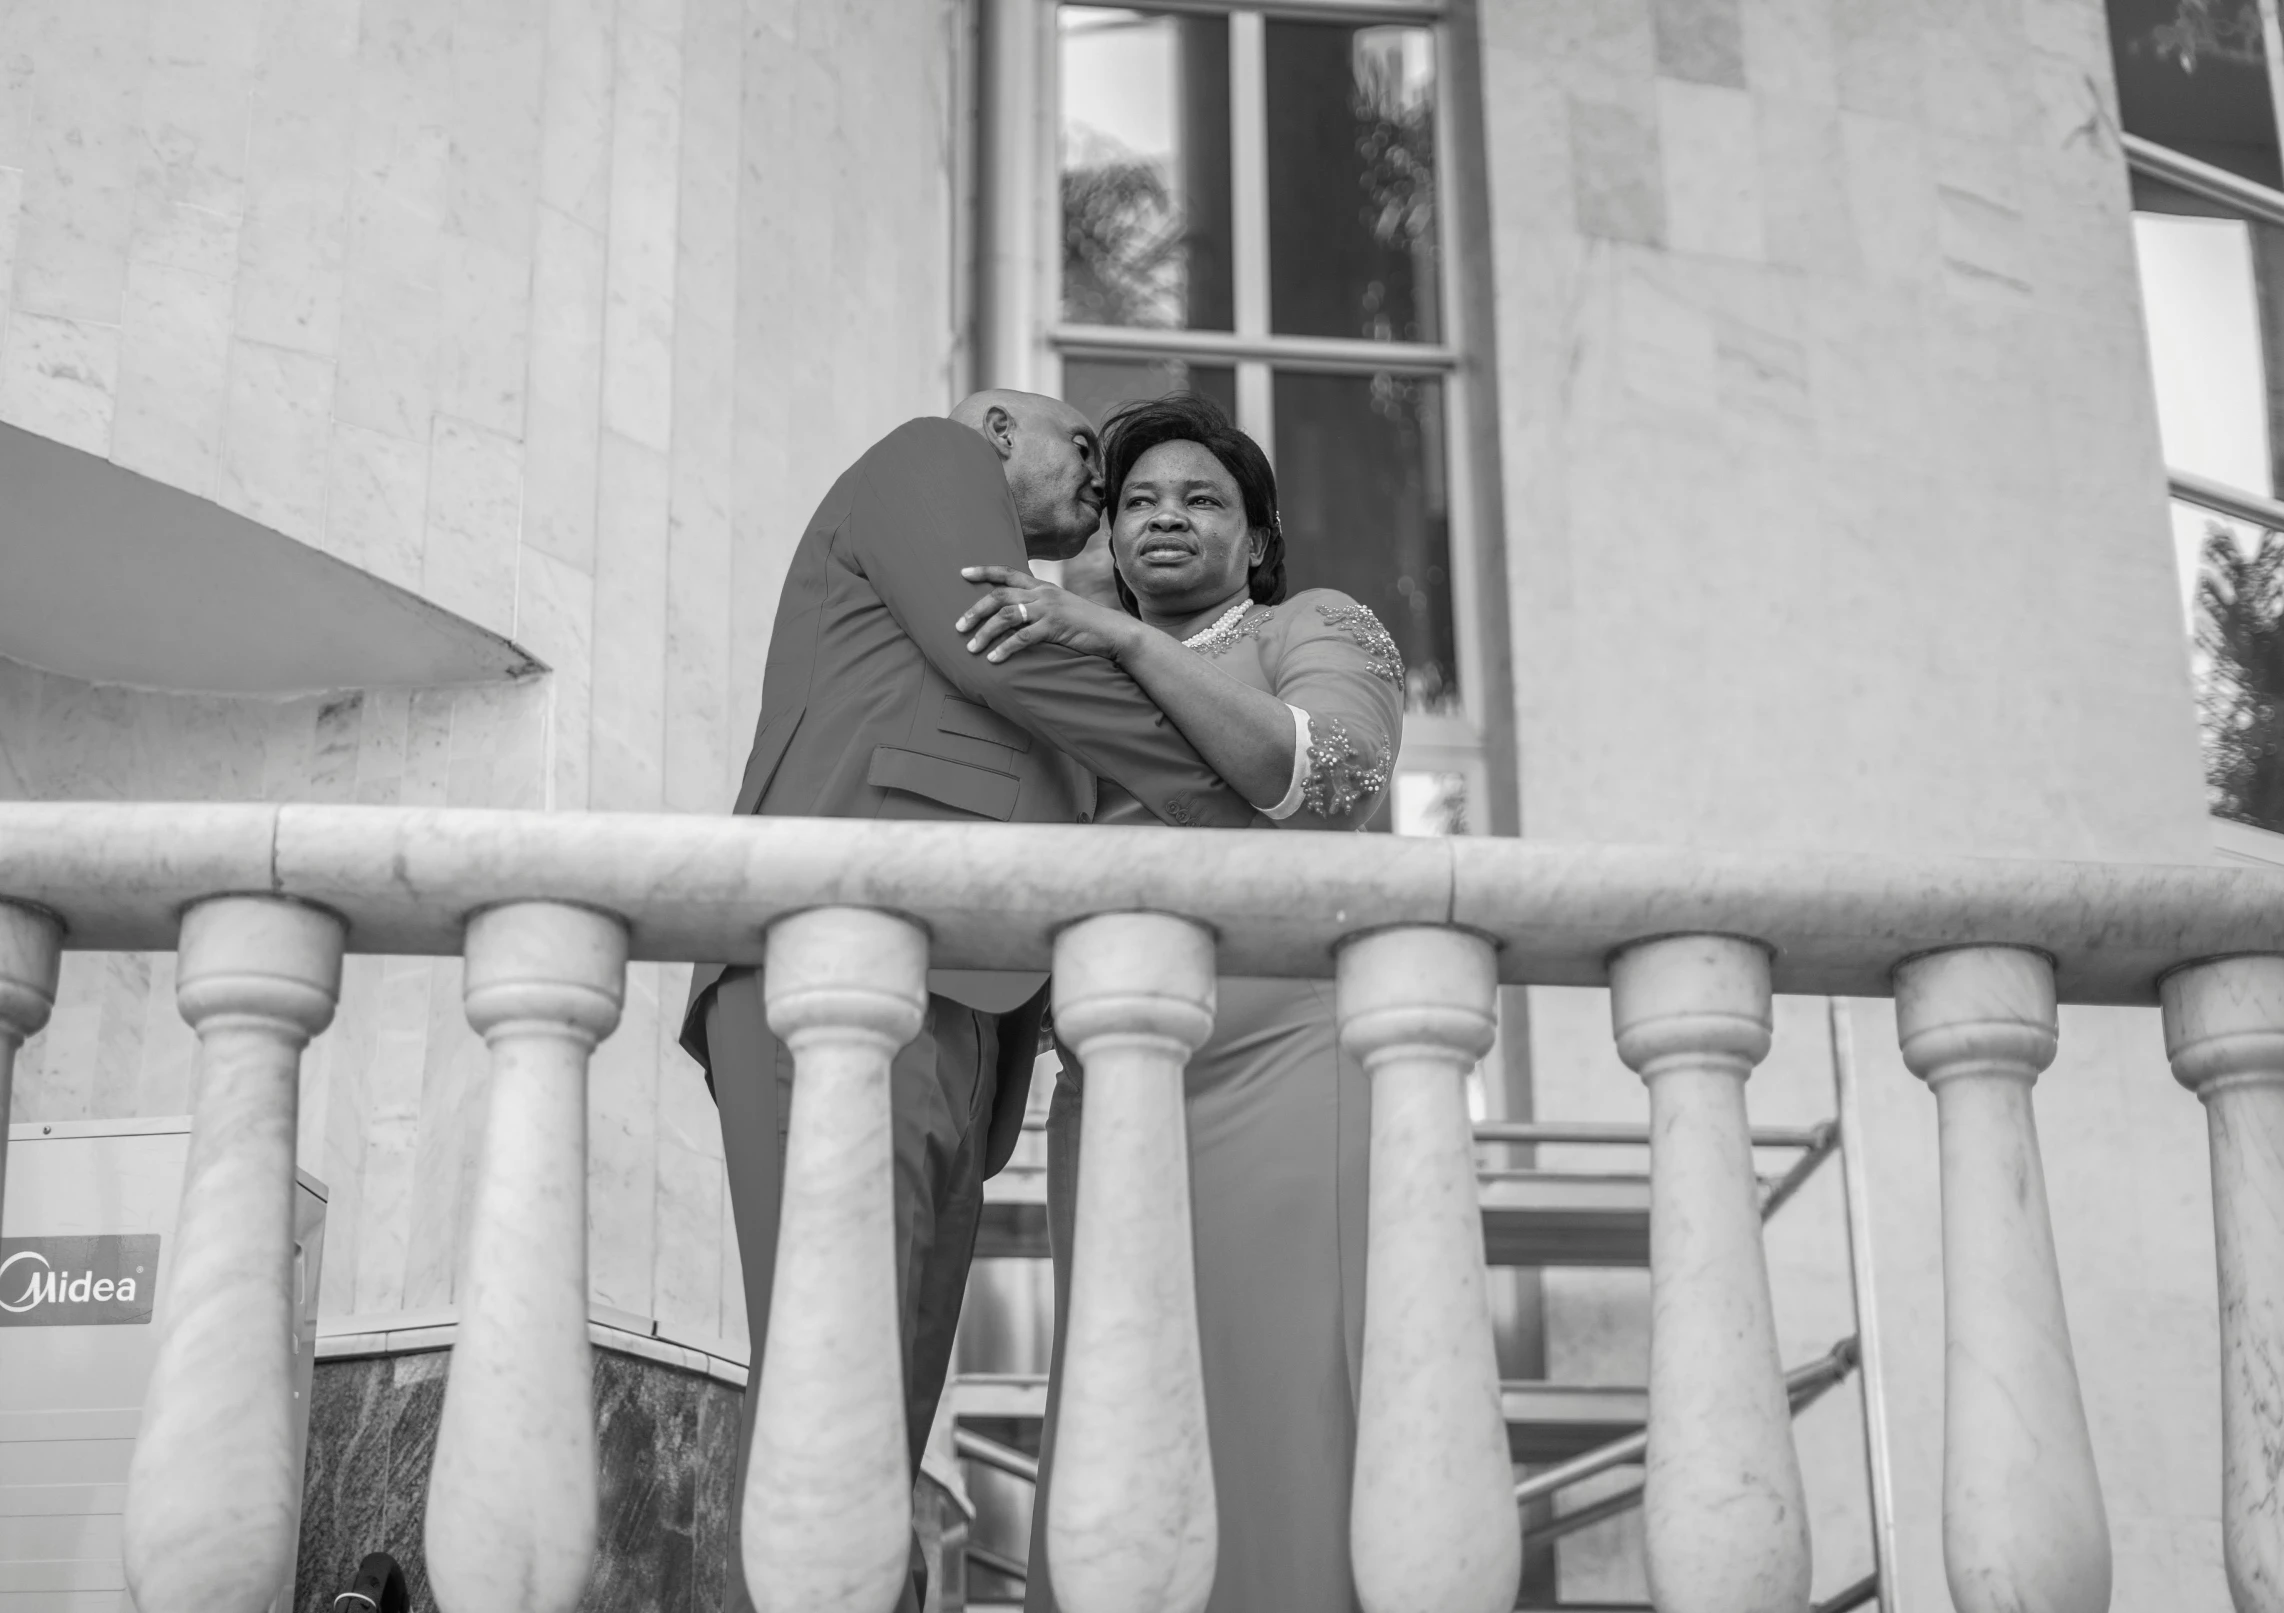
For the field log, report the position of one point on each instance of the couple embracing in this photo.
(918, 670)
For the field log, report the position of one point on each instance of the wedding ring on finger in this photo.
(1023, 612)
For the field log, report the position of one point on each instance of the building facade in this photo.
(1752, 417)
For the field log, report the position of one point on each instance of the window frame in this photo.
(2253, 203)
(2250, 201)
(1022, 341)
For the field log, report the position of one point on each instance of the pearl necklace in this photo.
(1222, 627)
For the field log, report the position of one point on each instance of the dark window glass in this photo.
(1145, 168)
(1360, 477)
(2193, 75)
(1352, 214)
(1095, 386)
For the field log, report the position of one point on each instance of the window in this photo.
(2198, 95)
(1252, 206)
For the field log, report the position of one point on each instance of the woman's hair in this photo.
(1135, 428)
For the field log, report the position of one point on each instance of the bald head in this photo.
(1053, 464)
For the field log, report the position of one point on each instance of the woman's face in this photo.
(1177, 529)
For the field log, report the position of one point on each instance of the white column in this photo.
(213, 1490)
(1432, 1521)
(511, 1497)
(1727, 1530)
(827, 1513)
(31, 950)
(2024, 1530)
(2224, 1029)
(1130, 1523)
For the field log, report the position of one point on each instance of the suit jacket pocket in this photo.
(971, 721)
(965, 788)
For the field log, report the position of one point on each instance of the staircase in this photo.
(1558, 1434)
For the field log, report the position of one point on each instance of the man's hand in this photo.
(1021, 610)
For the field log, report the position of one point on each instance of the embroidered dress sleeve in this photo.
(1336, 666)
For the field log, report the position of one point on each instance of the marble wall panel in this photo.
(1864, 352)
(78, 208)
(560, 313)
(666, 1442)
(622, 1149)
(174, 358)
(475, 510)
(627, 739)
(274, 437)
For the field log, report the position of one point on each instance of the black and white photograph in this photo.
(1210, 806)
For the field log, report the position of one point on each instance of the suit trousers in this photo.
(942, 1084)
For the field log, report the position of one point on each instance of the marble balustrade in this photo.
(1135, 926)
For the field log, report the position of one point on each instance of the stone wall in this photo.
(1836, 519)
(559, 313)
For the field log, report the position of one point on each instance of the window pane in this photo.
(2212, 292)
(1095, 386)
(1352, 215)
(1430, 803)
(1145, 168)
(2238, 612)
(2192, 74)
(1360, 476)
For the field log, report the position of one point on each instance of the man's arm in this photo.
(931, 498)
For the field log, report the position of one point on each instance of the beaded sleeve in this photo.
(1334, 662)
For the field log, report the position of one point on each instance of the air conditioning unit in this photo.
(86, 1232)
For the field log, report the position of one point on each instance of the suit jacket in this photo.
(872, 706)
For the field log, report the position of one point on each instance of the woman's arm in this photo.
(1247, 736)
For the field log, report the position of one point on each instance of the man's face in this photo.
(1054, 469)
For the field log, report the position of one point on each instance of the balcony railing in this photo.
(546, 909)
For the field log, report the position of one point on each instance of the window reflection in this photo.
(1360, 476)
(1145, 168)
(2238, 617)
(1352, 210)
(1095, 386)
(1430, 803)
(2193, 75)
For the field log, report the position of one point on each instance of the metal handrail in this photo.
(1854, 1596)
(998, 1562)
(1006, 1458)
(1596, 1133)
(1628, 1134)
(1803, 1385)
(1793, 1180)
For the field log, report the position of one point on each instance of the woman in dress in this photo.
(1298, 703)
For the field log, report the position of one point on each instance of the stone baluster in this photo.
(826, 1517)
(2224, 1030)
(511, 1497)
(1723, 1513)
(213, 1489)
(1432, 1522)
(31, 949)
(1130, 1522)
(2023, 1523)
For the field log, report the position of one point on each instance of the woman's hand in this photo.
(1022, 610)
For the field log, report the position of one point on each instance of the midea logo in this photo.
(45, 1285)
(104, 1279)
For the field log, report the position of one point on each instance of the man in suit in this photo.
(873, 708)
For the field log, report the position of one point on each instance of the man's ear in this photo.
(999, 430)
